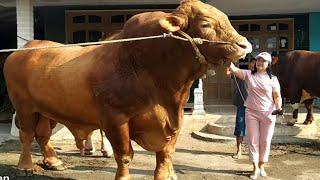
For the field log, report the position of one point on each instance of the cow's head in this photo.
(204, 21)
(279, 64)
(280, 69)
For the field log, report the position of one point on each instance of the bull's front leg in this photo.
(123, 152)
(294, 93)
(309, 106)
(164, 167)
(295, 111)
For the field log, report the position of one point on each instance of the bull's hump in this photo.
(143, 18)
(41, 43)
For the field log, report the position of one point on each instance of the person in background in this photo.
(274, 57)
(262, 104)
(239, 96)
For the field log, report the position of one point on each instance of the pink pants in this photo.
(260, 127)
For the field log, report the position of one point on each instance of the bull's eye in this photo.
(205, 25)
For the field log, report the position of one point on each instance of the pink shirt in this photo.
(260, 88)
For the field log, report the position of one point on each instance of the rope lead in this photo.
(165, 35)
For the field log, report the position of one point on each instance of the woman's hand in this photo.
(278, 112)
(278, 103)
(236, 71)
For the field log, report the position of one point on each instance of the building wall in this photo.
(314, 20)
(301, 27)
(54, 17)
(54, 22)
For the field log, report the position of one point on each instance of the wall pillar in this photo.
(25, 20)
(314, 31)
(25, 32)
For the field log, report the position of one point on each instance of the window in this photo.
(79, 19)
(79, 36)
(283, 43)
(94, 35)
(254, 27)
(244, 27)
(272, 27)
(94, 19)
(254, 42)
(88, 25)
(283, 26)
(272, 43)
(117, 19)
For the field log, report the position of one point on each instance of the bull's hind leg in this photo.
(164, 168)
(123, 152)
(106, 148)
(43, 133)
(309, 106)
(26, 122)
(80, 136)
(89, 147)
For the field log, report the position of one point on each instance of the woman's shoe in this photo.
(236, 156)
(254, 175)
(263, 173)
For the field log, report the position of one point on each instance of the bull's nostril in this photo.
(245, 45)
(242, 45)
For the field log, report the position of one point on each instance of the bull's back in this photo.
(24, 68)
(52, 80)
(305, 63)
(20, 64)
(305, 71)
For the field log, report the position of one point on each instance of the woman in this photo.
(263, 101)
(239, 96)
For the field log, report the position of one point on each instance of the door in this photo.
(217, 89)
(264, 35)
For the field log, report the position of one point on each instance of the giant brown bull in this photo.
(299, 78)
(133, 91)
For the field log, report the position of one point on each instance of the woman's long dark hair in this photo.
(269, 71)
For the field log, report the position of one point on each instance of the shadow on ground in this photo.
(11, 171)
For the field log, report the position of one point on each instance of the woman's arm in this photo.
(277, 100)
(236, 71)
(277, 97)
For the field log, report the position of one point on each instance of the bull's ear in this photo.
(172, 23)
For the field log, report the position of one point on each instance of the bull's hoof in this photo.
(290, 124)
(166, 177)
(173, 177)
(307, 122)
(88, 152)
(126, 177)
(24, 172)
(59, 166)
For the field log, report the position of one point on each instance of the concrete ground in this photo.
(193, 159)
